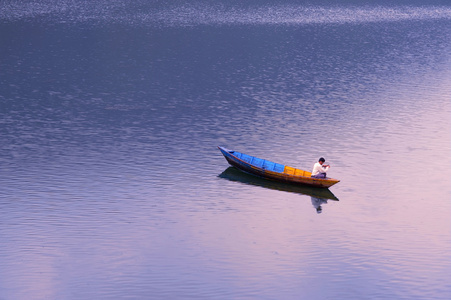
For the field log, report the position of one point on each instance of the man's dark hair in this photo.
(322, 159)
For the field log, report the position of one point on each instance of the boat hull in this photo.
(234, 174)
(273, 171)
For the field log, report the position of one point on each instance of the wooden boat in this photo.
(233, 174)
(274, 171)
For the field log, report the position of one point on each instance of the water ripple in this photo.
(199, 13)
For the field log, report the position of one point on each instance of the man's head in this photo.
(321, 160)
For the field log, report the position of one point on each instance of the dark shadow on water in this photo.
(319, 195)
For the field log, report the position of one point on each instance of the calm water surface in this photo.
(111, 185)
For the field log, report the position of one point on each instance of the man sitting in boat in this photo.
(320, 169)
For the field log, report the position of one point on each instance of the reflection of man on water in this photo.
(317, 203)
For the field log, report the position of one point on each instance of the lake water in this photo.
(112, 186)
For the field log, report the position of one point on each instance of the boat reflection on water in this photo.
(319, 196)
